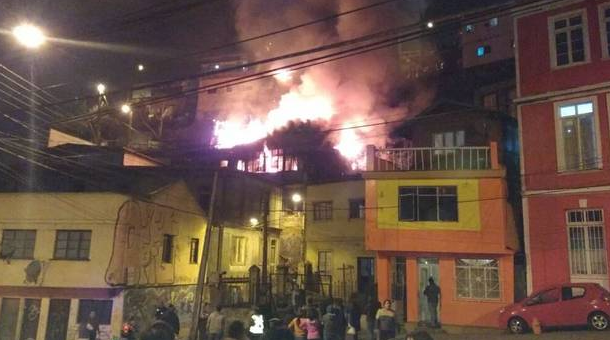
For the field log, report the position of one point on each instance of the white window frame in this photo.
(586, 225)
(602, 28)
(485, 268)
(238, 258)
(328, 268)
(559, 145)
(551, 35)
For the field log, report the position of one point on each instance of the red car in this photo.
(570, 304)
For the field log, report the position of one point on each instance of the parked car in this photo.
(570, 304)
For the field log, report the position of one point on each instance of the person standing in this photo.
(92, 326)
(386, 321)
(203, 321)
(311, 325)
(371, 312)
(216, 324)
(236, 331)
(171, 318)
(354, 312)
(332, 324)
(295, 326)
(433, 294)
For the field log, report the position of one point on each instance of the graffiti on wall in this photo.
(139, 304)
(291, 246)
(138, 248)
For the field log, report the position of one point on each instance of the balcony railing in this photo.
(433, 159)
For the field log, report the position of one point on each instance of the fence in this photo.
(433, 159)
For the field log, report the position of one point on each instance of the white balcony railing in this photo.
(433, 159)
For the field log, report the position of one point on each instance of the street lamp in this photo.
(253, 222)
(141, 67)
(29, 36)
(125, 108)
(101, 89)
(296, 199)
(430, 24)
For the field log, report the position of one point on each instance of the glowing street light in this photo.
(101, 89)
(296, 198)
(125, 108)
(253, 221)
(430, 24)
(29, 36)
(140, 67)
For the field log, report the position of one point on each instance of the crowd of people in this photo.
(330, 321)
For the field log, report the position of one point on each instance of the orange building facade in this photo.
(442, 212)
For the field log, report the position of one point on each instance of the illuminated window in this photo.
(483, 51)
(493, 22)
(569, 39)
(194, 252)
(577, 136)
(477, 279)
(18, 244)
(72, 244)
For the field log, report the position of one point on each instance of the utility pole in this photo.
(203, 263)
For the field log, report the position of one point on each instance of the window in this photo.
(356, 208)
(238, 251)
(72, 244)
(493, 22)
(273, 251)
(325, 262)
(427, 203)
(548, 296)
(102, 309)
(477, 279)
(469, 28)
(587, 246)
(17, 244)
(449, 139)
(194, 253)
(577, 136)
(483, 50)
(569, 293)
(604, 15)
(323, 211)
(490, 101)
(568, 39)
(168, 248)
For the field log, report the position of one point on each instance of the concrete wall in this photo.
(343, 236)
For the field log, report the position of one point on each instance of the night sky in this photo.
(132, 32)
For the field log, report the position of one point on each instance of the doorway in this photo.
(366, 276)
(427, 267)
(57, 324)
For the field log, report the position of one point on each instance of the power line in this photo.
(472, 16)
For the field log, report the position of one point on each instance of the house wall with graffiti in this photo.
(142, 230)
(124, 274)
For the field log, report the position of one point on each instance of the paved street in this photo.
(558, 335)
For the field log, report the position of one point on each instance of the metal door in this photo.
(426, 268)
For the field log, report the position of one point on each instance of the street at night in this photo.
(304, 169)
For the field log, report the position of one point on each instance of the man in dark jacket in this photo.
(433, 294)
